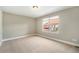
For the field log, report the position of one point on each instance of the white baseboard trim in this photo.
(18, 37)
(66, 42)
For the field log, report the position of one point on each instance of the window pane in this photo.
(51, 24)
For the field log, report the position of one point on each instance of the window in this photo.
(51, 24)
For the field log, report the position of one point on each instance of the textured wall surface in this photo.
(15, 25)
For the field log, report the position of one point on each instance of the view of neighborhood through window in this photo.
(51, 24)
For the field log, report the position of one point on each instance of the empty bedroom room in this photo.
(39, 29)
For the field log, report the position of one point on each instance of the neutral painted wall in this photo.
(69, 26)
(0, 26)
(16, 25)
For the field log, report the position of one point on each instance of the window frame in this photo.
(57, 32)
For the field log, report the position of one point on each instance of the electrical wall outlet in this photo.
(74, 39)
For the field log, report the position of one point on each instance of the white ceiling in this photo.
(32, 12)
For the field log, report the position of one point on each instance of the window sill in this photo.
(51, 32)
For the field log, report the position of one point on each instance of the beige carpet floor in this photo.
(36, 44)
